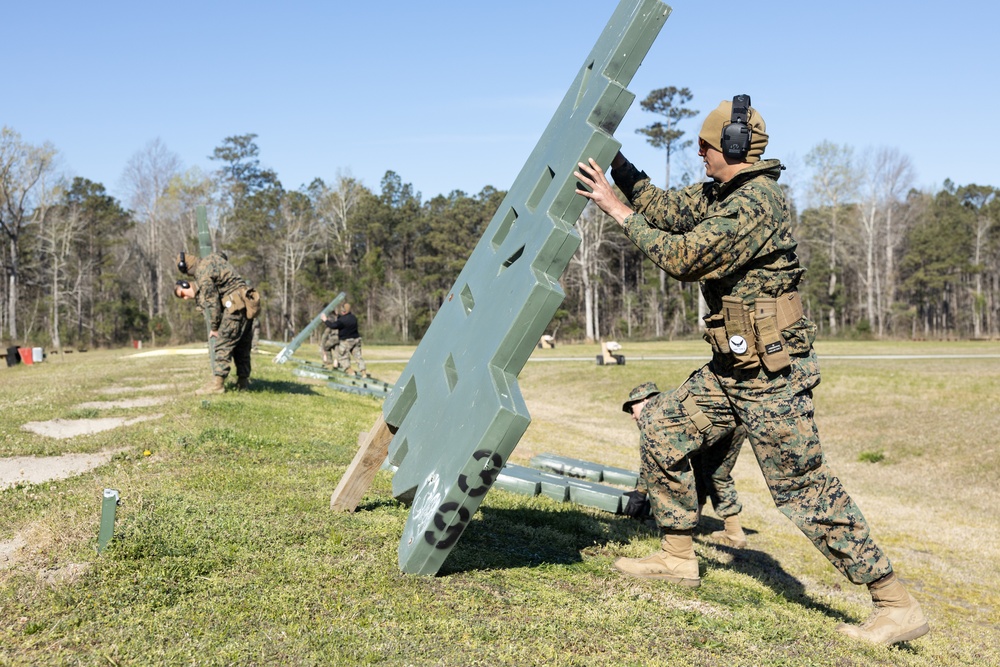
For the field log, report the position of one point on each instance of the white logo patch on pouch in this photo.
(738, 344)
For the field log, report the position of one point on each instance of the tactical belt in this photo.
(752, 334)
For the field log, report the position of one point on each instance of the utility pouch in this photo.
(251, 298)
(740, 332)
(715, 333)
(233, 301)
(770, 343)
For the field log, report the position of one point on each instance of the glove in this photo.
(637, 506)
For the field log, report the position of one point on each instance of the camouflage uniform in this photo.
(329, 344)
(712, 466)
(217, 282)
(734, 237)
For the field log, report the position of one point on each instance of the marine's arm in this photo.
(208, 296)
(731, 236)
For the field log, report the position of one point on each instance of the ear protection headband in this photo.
(182, 264)
(736, 135)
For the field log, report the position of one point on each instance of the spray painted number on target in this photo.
(444, 536)
(488, 474)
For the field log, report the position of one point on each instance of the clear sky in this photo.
(454, 95)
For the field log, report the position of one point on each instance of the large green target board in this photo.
(456, 412)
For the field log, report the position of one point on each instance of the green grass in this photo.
(226, 551)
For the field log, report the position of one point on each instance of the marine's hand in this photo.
(638, 505)
(213, 334)
(599, 190)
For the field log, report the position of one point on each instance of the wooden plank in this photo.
(359, 475)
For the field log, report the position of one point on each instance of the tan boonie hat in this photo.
(722, 115)
(640, 393)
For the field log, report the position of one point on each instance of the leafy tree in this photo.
(984, 205)
(451, 226)
(99, 227)
(250, 205)
(667, 102)
(834, 186)
(147, 177)
(23, 168)
(936, 257)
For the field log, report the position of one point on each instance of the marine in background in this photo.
(350, 340)
(230, 305)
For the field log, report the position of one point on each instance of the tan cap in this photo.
(722, 115)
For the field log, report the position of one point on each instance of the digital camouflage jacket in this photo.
(733, 237)
(216, 278)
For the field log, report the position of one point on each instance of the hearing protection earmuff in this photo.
(736, 135)
(182, 264)
(183, 284)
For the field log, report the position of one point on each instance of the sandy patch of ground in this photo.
(9, 548)
(69, 428)
(129, 390)
(38, 469)
(142, 402)
(69, 573)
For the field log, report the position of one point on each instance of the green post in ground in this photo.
(204, 248)
(109, 508)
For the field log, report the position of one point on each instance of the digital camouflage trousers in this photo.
(232, 347)
(776, 410)
(713, 467)
(350, 347)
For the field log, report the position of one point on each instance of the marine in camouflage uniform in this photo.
(732, 234)
(346, 325)
(329, 344)
(712, 468)
(221, 292)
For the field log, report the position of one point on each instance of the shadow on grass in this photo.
(762, 567)
(280, 387)
(527, 537)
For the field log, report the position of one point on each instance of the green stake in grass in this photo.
(109, 507)
(456, 413)
(204, 249)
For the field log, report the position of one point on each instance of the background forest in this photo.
(84, 269)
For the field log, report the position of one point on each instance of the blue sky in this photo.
(454, 95)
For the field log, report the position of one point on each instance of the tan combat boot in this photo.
(897, 616)
(732, 535)
(217, 385)
(242, 383)
(674, 562)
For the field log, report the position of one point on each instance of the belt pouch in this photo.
(770, 343)
(740, 332)
(234, 301)
(715, 333)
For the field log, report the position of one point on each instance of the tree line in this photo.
(83, 269)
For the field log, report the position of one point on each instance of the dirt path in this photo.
(38, 469)
(70, 428)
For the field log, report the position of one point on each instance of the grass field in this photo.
(226, 552)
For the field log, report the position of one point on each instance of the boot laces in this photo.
(876, 614)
